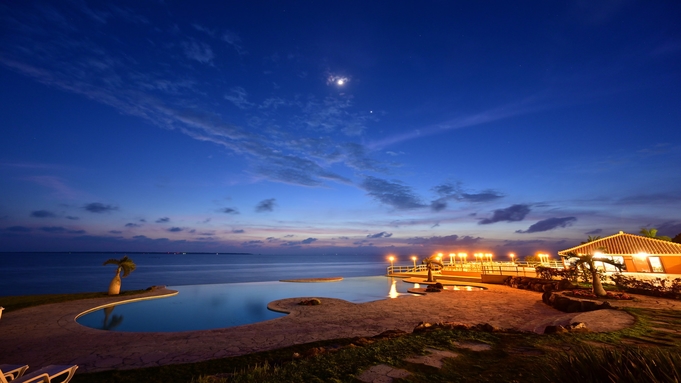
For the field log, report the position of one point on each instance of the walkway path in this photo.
(48, 334)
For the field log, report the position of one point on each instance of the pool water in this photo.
(203, 307)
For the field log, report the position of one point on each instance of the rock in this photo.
(314, 351)
(578, 327)
(423, 326)
(486, 327)
(433, 289)
(439, 285)
(310, 302)
(548, 287)
(565, 285)
(555, 329)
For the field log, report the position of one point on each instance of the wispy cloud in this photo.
(510, 214)
(382, 234)
(238, 96)
(42, 214)
(234, 40)
(529, 105)
(198, 51)
(393, 194)
(98, 207)
(265, 205)
(56, 184)
(298, 243)
(448, 192)
(449, 240)
(228, 210)
(549, 224)
(163, 220)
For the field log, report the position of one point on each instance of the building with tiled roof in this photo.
(639, 254)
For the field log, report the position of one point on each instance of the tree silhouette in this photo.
(652, 233)
(591, 239)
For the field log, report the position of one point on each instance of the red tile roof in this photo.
(624, 243)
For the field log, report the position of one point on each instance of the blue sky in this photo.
(337, 127)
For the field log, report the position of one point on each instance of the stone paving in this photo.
(49, 334)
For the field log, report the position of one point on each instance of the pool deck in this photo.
(49, 334)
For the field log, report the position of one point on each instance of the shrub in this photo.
(658, 287)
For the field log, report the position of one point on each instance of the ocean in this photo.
(56, 273)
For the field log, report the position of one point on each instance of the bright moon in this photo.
(340, 82)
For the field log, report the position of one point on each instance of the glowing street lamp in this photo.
(414, 259)
(463, 257)
(451, 255)
(512, 257)
(392, 266)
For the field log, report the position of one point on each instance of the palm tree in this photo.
(126, 265)
(588, 261)
(591, 239)
(429, 262)
(652, 233)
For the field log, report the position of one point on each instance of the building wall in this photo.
(671, 263)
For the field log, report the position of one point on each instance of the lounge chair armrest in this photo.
(34, 377)
(54, 371)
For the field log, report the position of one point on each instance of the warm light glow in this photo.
(340, 82)
(413, 259)
(391, 258)
(642, 255)
(393, 290)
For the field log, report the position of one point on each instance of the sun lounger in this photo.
(12, 371)
(45, 375)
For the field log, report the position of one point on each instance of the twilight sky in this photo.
(337, 127)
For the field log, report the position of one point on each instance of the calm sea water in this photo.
(52, 273)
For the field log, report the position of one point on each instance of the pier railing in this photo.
(495, 268)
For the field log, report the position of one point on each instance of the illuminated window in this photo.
(641, 264)
(656, 265)
(620, 260)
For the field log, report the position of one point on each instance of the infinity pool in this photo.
(203, 307)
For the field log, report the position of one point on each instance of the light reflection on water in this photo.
(202, 307)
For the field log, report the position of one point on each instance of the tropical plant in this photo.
(652, 233)
(588, 262)
(677, 239)
(591, 239)
(430, 262)
(125, 265)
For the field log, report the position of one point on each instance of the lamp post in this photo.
(512, 257)
(392, 266)
(451, 255)
(414, 259)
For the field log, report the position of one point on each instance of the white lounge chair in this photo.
(44, 375)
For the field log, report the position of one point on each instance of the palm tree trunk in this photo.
(115, 285)
(596, 284)
(430, 274)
